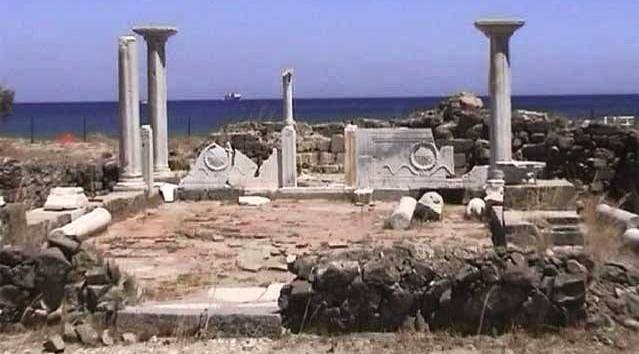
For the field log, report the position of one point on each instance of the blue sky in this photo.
(65, 50)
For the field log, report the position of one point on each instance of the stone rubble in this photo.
(475, 209)
(386, 289)
(63, 281)
(430, 207)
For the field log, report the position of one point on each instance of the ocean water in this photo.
(53, 119)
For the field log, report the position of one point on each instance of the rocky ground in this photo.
(570, 341)
(179, 248)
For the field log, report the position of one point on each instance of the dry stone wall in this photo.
(396, 288)
(29, 182)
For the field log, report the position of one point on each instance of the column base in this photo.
(130, 184)
(494, 189)
(163, 173)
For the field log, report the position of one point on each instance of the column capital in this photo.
(287, 73)
(155, 33)
(493, 26)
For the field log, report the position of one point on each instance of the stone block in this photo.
(307, 159)
(329, 169)
(430, 207)
(66, 198)
(401, 158)
(326, 158)
(339, 158)
(337, 143)
(544, 195)
(459, 145)
(460, 160)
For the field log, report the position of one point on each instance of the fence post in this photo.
(84, 129)
(31, 129)
(188, 127)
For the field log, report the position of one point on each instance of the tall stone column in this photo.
(287, 94)
(499, 32)
(129, 104)
(288, 160)
(156, 38)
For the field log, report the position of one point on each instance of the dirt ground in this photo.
(570, 341)
(179, 248)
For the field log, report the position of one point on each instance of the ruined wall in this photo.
(598, 157)
(29, 182)
(397, 288)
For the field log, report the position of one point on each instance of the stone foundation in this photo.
(395, 288)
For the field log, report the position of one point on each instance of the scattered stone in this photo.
(249, 266)
(106, 338)
(430, 207)
(337, 244)
(168, 191)
(253, 200)
(574, 267)
(476, 208)
(631, 323)
(87, 334)
(54, 344)
(403, 213)
(65, 243)
(217, 238)
(66, 198)
(129, 338)
(97, 276)
(69, 334)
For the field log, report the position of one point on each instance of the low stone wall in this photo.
(29, 182)
(392, 289)
(35, 282)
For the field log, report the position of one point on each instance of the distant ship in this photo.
(232, 96)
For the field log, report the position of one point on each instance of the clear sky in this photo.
(66, 50)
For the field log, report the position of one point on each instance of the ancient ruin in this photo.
(463, 218)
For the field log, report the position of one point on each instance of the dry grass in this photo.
(601, 237)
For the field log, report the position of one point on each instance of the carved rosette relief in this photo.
(216, 158)
(423, 156)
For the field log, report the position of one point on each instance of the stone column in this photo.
(288, 161)
(350, 155)
(499, 32)
(129, 102)
(287, 94)
(147, 157)
(156, 37)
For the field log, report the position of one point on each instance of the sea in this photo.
(200, 117)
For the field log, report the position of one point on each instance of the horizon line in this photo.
(332, 98)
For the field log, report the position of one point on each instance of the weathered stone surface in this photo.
(399, 158)
(87, 334)
(253, 200)
(106, 339)
(66, 198)
(52, 268)
(430, 207)
(53, 344)
(129, 338)
(69, 334)
(402, 216)
(476, 208)
(337, 143)
(86, 225)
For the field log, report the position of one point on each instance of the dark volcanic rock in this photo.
(485, 292)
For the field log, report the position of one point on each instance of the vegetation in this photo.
(6, 101)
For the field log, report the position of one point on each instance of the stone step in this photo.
(567, 238)
(561, 228)
(224, 312)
